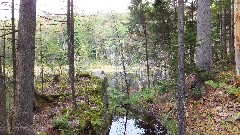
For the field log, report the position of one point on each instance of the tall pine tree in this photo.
(25, 52)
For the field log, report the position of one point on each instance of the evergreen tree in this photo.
(181, 77)
(24, 98)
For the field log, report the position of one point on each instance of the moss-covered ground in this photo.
(53, 109)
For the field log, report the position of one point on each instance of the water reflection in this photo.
(125, 126)
(126, 122)
(129, 125)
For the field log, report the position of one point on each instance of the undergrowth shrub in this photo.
(170, 124)
(196, 93)
(116, 97)
(203, 75)
(231, 90)
(226, 77)
(61, 123)
(164, 86)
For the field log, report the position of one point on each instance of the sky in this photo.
(88, 6)
(59, 6)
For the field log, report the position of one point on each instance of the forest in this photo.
(164, 67)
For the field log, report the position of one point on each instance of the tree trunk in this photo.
(237, 34)
(4, 58)
(192, 49)
(105, 85)
(124, 70)
(181, 77)
(147, 55)
(13, 50)
(203, 49)
(231, 31)
(175, 12)
(70, 29)
(3, 112)
(41, 57)
(223, 32)
(23, 107)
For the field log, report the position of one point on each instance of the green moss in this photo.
(89, 109)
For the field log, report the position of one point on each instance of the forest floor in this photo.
(53, 115)
(216, 113)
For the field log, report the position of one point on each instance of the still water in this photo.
(126, 126)
(131, 123)
(136, 125)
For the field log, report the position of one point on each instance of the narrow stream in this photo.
(125, 126)
(125, 122)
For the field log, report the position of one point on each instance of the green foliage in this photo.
(62, 85)
(216, 9)
(222, 84)
(89, 110)
(142, 96)
(164, 86)
(233, 91)
(96, 36)
(226, 77)
(170, 124)
(116, 97)
(61, 122)
(212, 83)
(205, 75)
(94, 89)
(196, 93)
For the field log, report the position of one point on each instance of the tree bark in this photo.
(25, 52)
(124, 70)
(175, 12)
(203, 49)
(181, 77)
(237, 34)
(231, 31)
(3, 112)
(41, 57)
(146, 51)
(13, 50)
(70, 30)
(4, 58)
(223, 32)
(192, 45)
